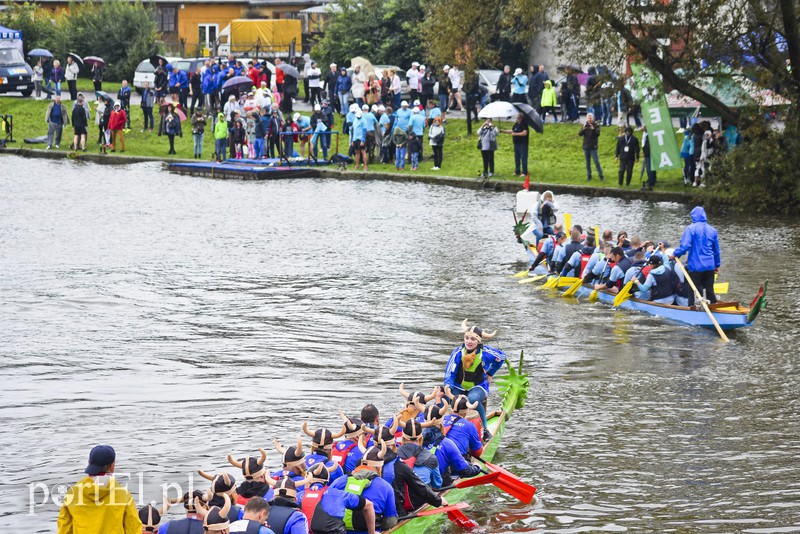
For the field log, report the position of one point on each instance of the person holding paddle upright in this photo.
(701, 241)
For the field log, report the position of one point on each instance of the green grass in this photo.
(29, 122)
(554, 157)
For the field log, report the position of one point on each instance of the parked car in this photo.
(488, 78)
(146, 72)
(15, 74)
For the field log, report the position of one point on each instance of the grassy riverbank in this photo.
(555, 157)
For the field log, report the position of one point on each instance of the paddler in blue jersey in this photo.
(294, 466)
(463, 433)
(471, 367)
(285, 516)
(325, 507)
(451, 461)
(346, 452)
(366, 482)
(413, 402)
(192, 523)
(321, 447)
(416, 473)
(223, 485)
(255, 477)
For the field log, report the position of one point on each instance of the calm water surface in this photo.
(180, 319)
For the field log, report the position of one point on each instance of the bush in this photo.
(761, 174)
(120, 32)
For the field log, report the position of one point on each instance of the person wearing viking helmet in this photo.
(387, 434)
(216, 519)
(366, 481)
(150, 516)
(255, 477)
(192, 523)
(223, 485)
(416, 473)
(284, 514)
(345, 452)
(451, 461)
(325, 507)
(321, 448)
(471, 367)
(414, 400)
(293, 459)
(461, 430)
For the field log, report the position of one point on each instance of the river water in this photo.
(179, 319)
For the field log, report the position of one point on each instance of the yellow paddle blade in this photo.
(573, 288)
(567, 223)
(624, 294)
(566, 281)
(532, 279)
(550, 283)
(594, 296)
(720, 288)
(597, 236)
(521, 274)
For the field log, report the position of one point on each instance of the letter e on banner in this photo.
(655, 115)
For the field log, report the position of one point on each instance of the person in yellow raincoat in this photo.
(97, 504)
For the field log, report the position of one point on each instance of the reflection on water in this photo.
(181, 319)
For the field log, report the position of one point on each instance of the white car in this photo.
(146, 72)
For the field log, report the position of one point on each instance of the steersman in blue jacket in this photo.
(701, 242)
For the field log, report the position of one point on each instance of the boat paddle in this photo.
(699, 297)
(595, 294)
(488, 478)
(579, 282)
(510, 483)
(625, 293)
(532, 279)
(453, 512)
(720, 288)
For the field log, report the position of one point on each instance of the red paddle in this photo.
(461, 520)
(441, 510)
(510, 483)
(474, 481)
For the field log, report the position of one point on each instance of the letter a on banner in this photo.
(664, 153)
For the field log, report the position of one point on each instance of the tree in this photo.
(383, 31)
(36, 24)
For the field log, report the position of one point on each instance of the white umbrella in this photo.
(499, 110)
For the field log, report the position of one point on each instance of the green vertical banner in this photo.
(664, 152)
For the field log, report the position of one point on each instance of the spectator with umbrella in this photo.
(71, 71)
(97, 64)
(290, 77)
(519, 135)
(160, 82)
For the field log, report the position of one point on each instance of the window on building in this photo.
(207, 34)
(167, 19)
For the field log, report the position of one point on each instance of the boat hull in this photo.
(728, 319)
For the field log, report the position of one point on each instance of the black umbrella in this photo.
(154, 60)
(575, 68)
(105, 96)
(531, 116)
(76, 58)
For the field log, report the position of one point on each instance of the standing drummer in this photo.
(701, 241)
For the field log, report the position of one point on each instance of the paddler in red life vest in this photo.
(366, 482)
(216, 519)
(192, 523)
(150, 516)
(451, 461)
(255, 477)
(321, 448)
(471, 367)
(293, 460)
(223, 485)
(255, 515)
(416, 472)
(616, 277)
(325, 507)
(576, 264)
(346, 452)
(462, 431)
(285, 516)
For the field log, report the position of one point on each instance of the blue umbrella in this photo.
(238, 81)
(39, 52)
